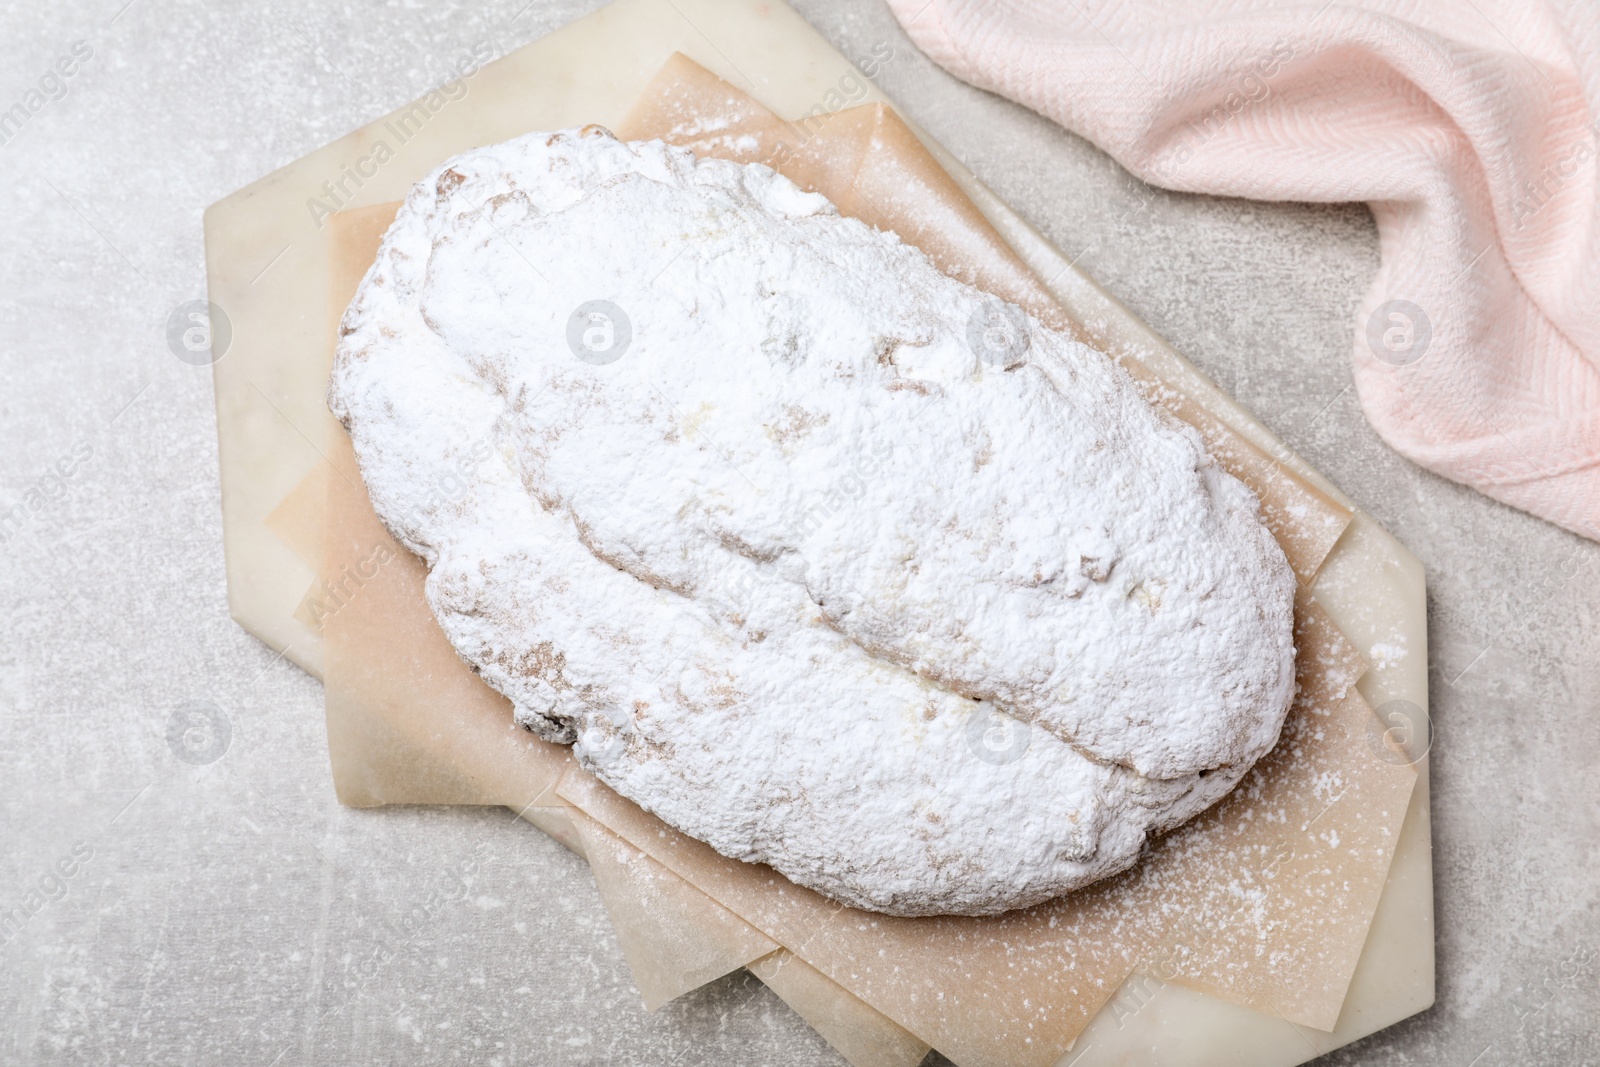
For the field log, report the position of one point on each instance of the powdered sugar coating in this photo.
(775, 569)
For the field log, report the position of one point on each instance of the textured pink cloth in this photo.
(1469, 126)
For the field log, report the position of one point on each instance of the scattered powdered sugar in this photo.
(805, 566)
(1386, 654)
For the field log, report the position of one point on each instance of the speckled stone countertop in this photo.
(211, 908)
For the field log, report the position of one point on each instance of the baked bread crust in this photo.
(797, 555)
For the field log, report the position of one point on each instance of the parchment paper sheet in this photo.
(1241, 902)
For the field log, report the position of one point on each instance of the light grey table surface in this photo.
(224, 910)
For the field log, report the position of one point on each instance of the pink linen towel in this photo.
(1469, 126)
